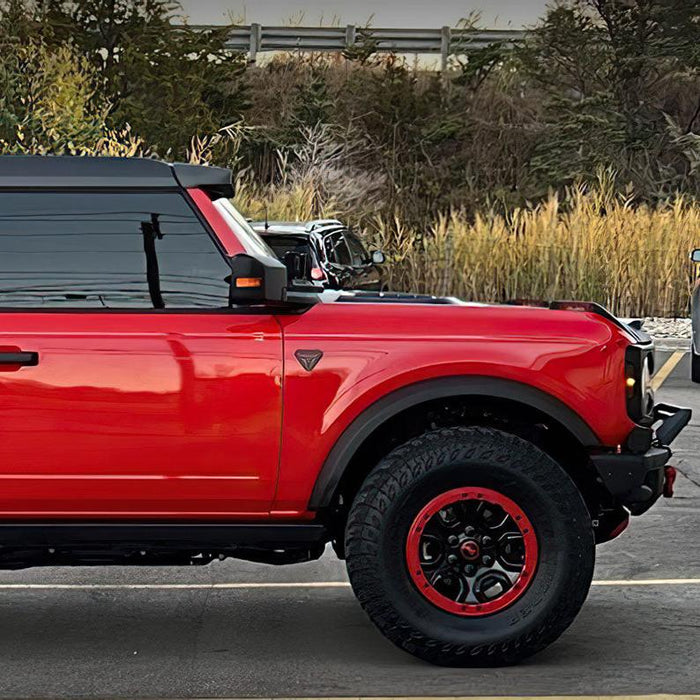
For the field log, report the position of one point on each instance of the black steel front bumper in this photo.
(635, 476)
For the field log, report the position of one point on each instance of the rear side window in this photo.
(281, 245)
(107, 250)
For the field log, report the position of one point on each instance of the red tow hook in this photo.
(670, 474)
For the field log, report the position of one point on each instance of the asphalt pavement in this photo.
(235, 629)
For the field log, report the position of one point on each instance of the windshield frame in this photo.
(247, 236)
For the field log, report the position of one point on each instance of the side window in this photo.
(357, 250)
(107, 250)
(336, 249)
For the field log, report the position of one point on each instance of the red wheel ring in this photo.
(471, 551)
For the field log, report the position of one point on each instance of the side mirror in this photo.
(257, 279)
(695, 255)
(378, 257)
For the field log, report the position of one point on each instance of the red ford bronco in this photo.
(171, 395)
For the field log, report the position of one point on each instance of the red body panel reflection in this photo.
(140, 415)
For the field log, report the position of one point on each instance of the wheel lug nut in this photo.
(452, 559)
(469, 530)
(486, 540)
(487, 560)
(470, 569)
(452, 540)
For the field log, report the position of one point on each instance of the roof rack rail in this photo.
(77, 172)
(322, 223)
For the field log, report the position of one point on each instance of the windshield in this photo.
(249, 239)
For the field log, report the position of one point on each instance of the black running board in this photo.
(21, 534)
(25, 544)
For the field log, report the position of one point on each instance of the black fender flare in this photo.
(399, 400)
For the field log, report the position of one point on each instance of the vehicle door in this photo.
(367, 276)
(339, 262)
(128, 387)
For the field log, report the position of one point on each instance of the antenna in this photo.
(267, 223)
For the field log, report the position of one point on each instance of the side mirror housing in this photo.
(378, 257)
(256, 280)
(695, 255)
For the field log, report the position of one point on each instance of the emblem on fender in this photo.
(308, 359)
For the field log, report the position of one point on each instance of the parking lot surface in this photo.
(235, 629)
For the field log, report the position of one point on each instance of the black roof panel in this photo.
(56, 172)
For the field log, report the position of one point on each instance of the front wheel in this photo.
(470, 547)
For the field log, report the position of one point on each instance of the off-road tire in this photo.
(398, 488)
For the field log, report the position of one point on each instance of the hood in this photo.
(509, 309)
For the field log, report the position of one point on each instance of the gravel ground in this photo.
(667, 327)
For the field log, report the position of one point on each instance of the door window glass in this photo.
(336, 249)
(108, 250)
(357, 250)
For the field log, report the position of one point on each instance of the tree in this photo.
(608, 70)
(167, 80)
(48, 96)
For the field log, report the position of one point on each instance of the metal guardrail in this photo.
(446, 41)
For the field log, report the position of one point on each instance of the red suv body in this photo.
(168, 396)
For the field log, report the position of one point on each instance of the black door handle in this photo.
(27, 359)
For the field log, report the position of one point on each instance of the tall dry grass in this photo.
(588, 245)
(297, 202)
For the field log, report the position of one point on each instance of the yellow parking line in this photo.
(662, 375)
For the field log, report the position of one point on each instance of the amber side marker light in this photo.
(248, 282)
(630, 381)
